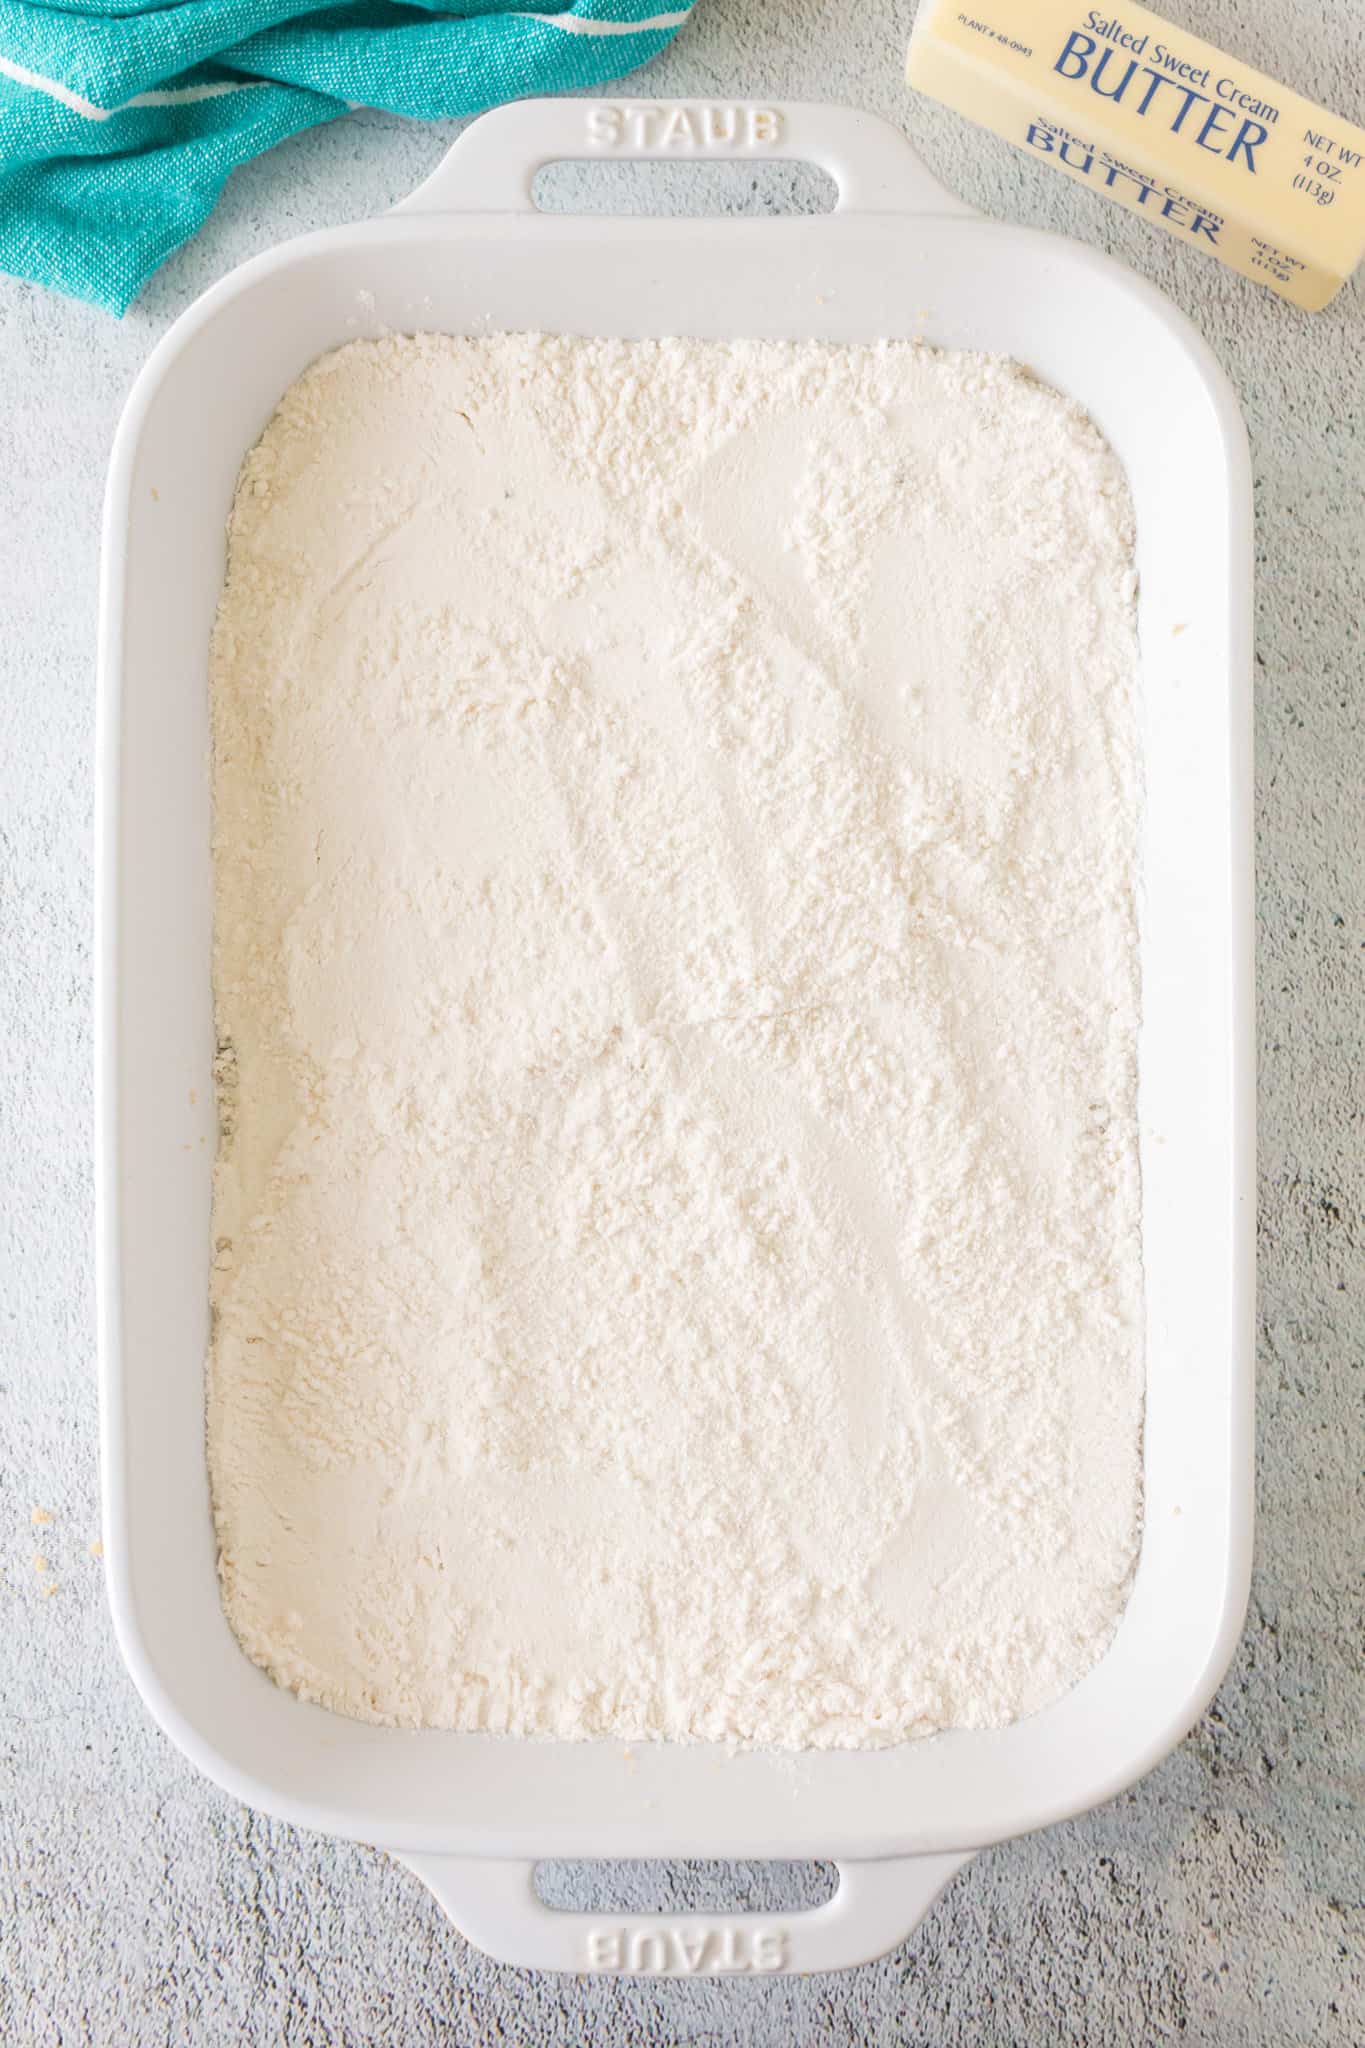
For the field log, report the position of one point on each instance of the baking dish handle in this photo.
(491, 168)
(495, 1905)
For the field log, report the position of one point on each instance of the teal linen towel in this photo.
(121, 119)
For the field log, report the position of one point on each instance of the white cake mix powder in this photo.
(677, 1261)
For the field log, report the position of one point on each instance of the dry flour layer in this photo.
(677, 1208)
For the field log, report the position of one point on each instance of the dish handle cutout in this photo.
(494, 1904)
(492, 166)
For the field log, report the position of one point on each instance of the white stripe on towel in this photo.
(167, 96)
(55, 91)
(173, 95)
(584, 25)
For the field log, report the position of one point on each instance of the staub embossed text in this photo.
(691, 1949)
(682, 126)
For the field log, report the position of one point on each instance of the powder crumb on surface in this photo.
(97, 1548)
(40, 1563)
(39, 1517)
(676, 1260)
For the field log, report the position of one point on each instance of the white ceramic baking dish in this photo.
(469, 252)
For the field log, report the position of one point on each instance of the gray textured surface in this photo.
(1221, 1900)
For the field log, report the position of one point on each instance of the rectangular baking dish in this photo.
(470, 252)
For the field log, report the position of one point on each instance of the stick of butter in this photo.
(1164, 123)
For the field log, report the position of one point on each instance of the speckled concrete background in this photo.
(1220, 1901)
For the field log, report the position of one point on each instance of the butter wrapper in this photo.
(1208, 148)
